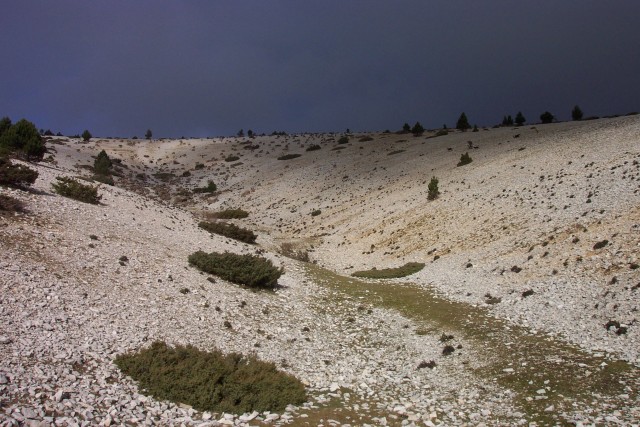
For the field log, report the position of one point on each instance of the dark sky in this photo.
(206, 68)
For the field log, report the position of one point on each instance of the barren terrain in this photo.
(517, 270)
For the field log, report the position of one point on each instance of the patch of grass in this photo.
(249, 270)
(229, 230)
(211, 381)
(289, 156)
(69, 187)
(229, 214)
(391, 273)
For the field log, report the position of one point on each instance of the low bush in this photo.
(231, 158)
(343, 140)
(211, 381)
(442, 132)
(69, 187)
(391, 153)
(313, 147)
(105, 179)
(249, 270)
(316, 212)
(210, 188)
(288, 250)
(229, 214)
(391, 273)
(229, 230)
(10, 204)
(16, 175)
(433, 189)
(465, 159)
(365, 138)
(289, 156)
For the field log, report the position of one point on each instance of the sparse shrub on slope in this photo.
(465, 159)
(102, 164)
(16, 175)
(210, 188)
(10, 204)
(433, 189)
(229, 230)
(576, 113)
(71, 188)
(313, 147)
(229, 214)
(22, 137)
(289, 156)
(343, 140)
(231, 158)
(287, 249)
(546, 117)
(211, 381)
(249, 270)
(86, 135)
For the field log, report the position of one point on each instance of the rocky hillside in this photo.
(540, 230)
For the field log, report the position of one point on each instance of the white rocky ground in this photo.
(69, 305)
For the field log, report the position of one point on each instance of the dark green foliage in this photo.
(199, 166)
(417, 129)
(546, 117)
(520, 120)
(391, 273)
(10, 204)
(462, 123)
(249, 270)
(250, 133)
(71, 188)
(229, 230)
(365, 138)
(433, 189)
(475, 128)
(601, 244)
(23, 137)
(210, 188)
(343, 140)
(447, 350)
(240, 133)
(5, 124)
(576, 113)
(289, 156)
(148, 134)
(229, 214)
(290, 251)
(507, 121)
(16, 175)
(86, 135)
(406, 128)
(102, 164)
(105, 179)
(442, 132)
(313, 147)
(211, 381)
(231, 158)
(316, 212)
(465, 159)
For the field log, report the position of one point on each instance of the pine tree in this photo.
(576, 113)
(546, 117)
(417, 129)
(463, 123)
(149, 134)
(102, 165)
(86, 135)
(520, 119)
(433, 189)
(406, 128)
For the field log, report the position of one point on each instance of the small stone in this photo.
(5, 339)
(4, 379)
(549, 408)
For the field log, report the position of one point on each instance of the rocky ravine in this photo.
(69, 304)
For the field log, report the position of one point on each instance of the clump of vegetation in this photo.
(417, 129)
(465, 159)
(22, 137)
(391, 153)
(442, 132)
(576, 113)
(433, 189)
(601, 244)
(547, 117)
(365, 138)
(86, 135)
(289, 156)
(463, 123)
(527, 293)
(343, 140)
(102, 168)
(69, 187)
(229, 230)
(231, 158)
(313, 147)
(16, 175)
(249, 270)
(211, 381)
(10, 204)
(229, 214)
(520, 120)
(424, 364)
(199, 166)
(316, 212)
(391, 273)
(287, 249)
(209, 188)
(447, 350)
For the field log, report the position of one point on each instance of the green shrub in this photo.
(546, 117)
(231, 158)
(417, 129)
(199, 166)
(86, 135)
(463, 123)
(102, 164)
(465, 159)
(391, 273)
(289, 156)
(576, 113)
(71, 188)
(343, 140)
(105, 179)
(210, 188)
(313, 147)
(442, 132)
(229, 230)
(433, 189)
(249, 270)
(10, 204)
(316, 212)
(520, 120)
(211, 381)
(16, 175)
(23, 137)
(287, 249)
(229, 214)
